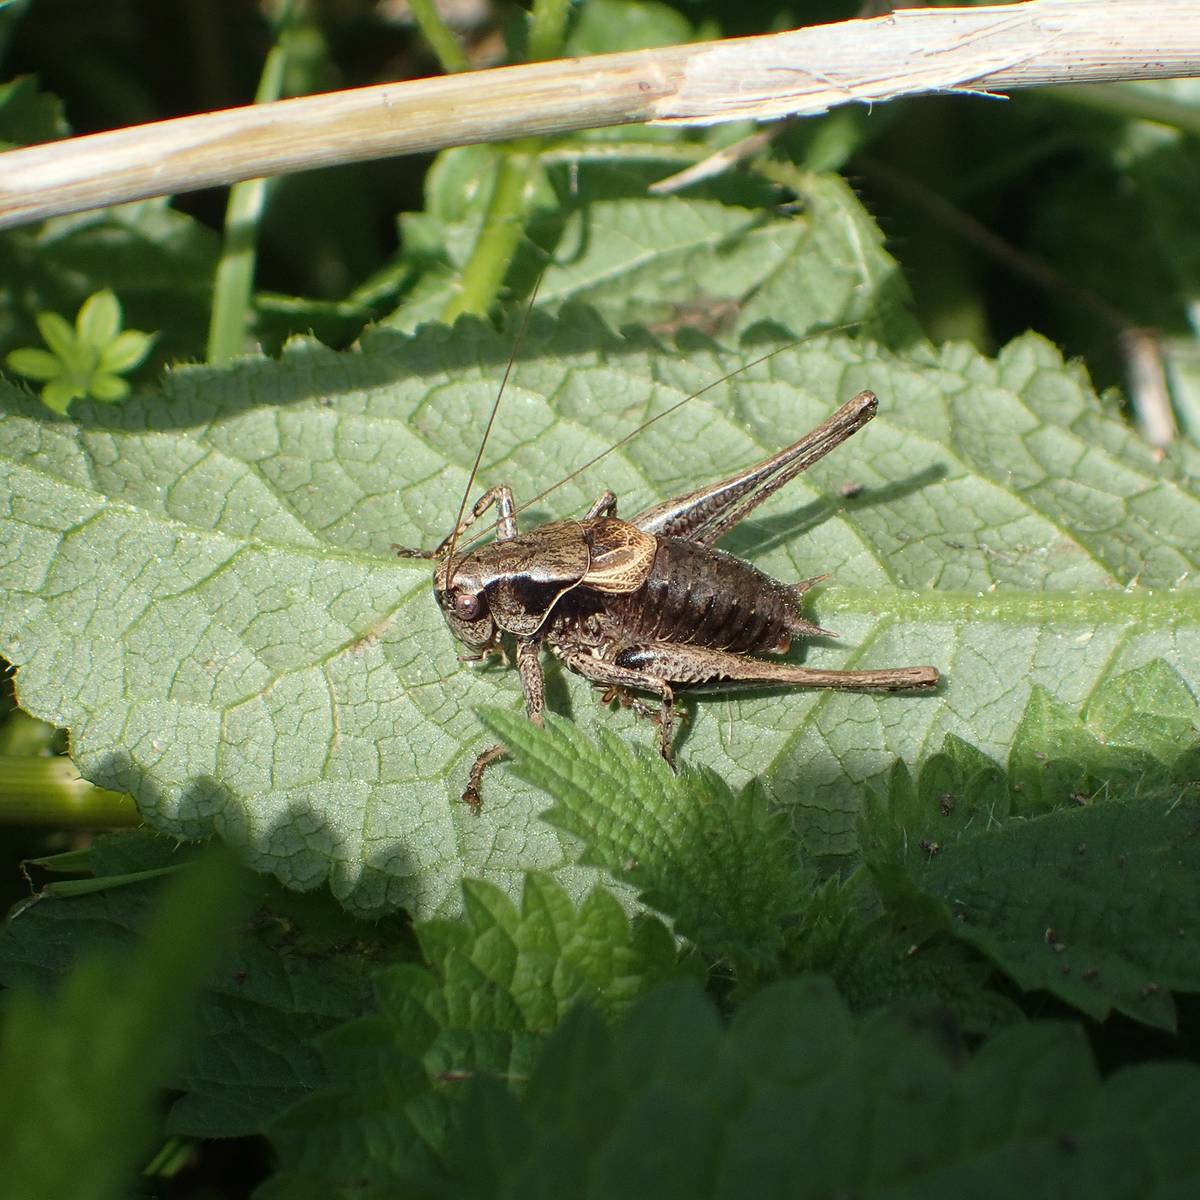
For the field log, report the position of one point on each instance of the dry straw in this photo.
(799, 73)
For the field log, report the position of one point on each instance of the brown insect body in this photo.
(692, 595)
(648, 604)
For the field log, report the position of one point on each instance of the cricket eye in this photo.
(467, 606)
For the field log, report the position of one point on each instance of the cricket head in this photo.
(462, 597)
(510, 586)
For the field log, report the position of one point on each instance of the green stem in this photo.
(441, 41)
(504, 221)
(174, 1155)
(547, 28)
(49, 791)
(503, 224)
(234, 281)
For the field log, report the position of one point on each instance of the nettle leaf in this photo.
(547, 955)
(502, 977)
(497, 983)
(713, 261)
(723, 867)
(1140, 731)
(298, 969)
(1097, 905)
(81, 1069)
(726, 869)
(1094, 900)
(798, 1098)
(202, 585)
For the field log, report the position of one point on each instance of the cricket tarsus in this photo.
(646, 604)
(472, 797)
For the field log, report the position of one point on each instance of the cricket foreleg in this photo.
(529, 653)
(506, 522)
(604, 506)
(472, 797)
(533, 685)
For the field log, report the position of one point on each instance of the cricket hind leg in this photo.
(613, 676)
(700, 666)
(662, 667)
(626, 698)
(706, 515)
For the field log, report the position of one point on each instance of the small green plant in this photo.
(84, 362)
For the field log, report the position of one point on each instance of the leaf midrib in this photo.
(1153, 608)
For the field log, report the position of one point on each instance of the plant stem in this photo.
(548, 25)
(243, 214)
(797, 73)
(49, 791)
(503, 224)
(441, 41)
(505, 217)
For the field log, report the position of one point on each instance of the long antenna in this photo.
(487, 432)
(666, 412)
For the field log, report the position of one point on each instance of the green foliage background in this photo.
(879, 945)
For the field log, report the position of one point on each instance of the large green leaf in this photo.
(716, 260)
(201, 585)
(498, 982)
(795, 1097)
(722, 866)
(1094, 897)
(298, 968)
(81, 1069)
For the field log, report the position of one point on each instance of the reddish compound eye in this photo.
(467, 606)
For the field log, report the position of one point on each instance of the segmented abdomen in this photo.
(704, 597)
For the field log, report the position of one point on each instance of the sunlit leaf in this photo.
(202, 584)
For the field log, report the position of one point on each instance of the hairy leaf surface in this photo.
(201, 585)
